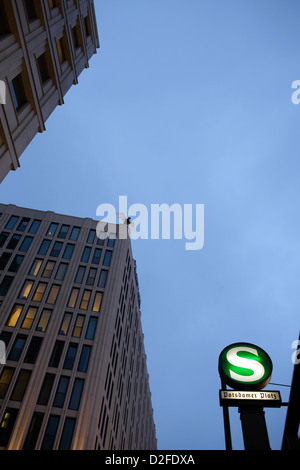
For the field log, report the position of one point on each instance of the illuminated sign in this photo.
(245, 366)
(238, 397)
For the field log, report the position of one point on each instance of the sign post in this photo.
(247, 369)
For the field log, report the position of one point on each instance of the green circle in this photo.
(241, 375)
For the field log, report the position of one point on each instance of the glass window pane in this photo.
(97, 256)
(107, 258)
(17, 348)
(50, 433)
(44, 320)
(67, 434)
(25, 291)
(25, 244)
(35, 267)
(33, 350)
(38, 295)
(23, 224)
(91, 277)
(70, 356)
(65, 324)
(61, 272)
(63, 231)
(80, 275)
(34, 226)
(84, 359)
(28, 320)
(97, 302)
(16, 263)
(51, 230)
(74, 234)
(61, 391)
(3, 238)
(21, 385)
(48, 269)
(53, 294)
(91, 236)
(90, 332)
(56, 249)
(44, 247)
(85, 300)
(5, 285)
(14, 316)
(73, 298)
(86, 254)
(56, 354)
(76, 394)
(5, 379)
(78, 326)
(33, 431)
(12, 222)
(13, 242)
(46, 389)
(68, 251)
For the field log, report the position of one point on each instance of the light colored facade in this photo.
(44, 46)
(75, 375)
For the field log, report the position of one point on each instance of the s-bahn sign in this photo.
(244, 366)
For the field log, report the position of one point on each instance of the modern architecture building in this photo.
(75, 372)
(44, 46)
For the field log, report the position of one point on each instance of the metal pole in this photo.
(254, 428)
(228, 441)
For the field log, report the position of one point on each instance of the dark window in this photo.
(75, 37)
(68, 251)
(91, 277)
(91, 236)
(63, 231)
(43, 68)
(70, 356)
(61, 272)
(5, 379)
(61, 391)
(17, 348)
(90, 332)
(30, 9)
(16, 263)
(13, 242)
(50, 433)
(21, 385)
(18, 92)
(103, 278)
(74, 234)
(44, 247)
(12, 222)
(3, 238)
(46, 389)
(48, 269)
(34, 226)
(23, 224)
(4, 259)
(7, 425)
(107, 258)
(56, 249)
(4, 29)
(51, 230)
(33, 431)
(56, 354)
(111, 242)
(84, 358)
(33, 350)
(25, 244)
(80, 275)
(76, 394)
(5, 285)
(86, 254)
(67, 434)
(97, 256)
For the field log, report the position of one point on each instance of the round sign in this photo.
(246, 366)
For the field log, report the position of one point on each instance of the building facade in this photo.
(75, 370)
(44, 46)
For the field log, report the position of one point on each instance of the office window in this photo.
(44, 247)
(18, 92)
(12, 222)
(70, 356)
(97, 256)
(84, 358)
(15, 315)
(61, 272)
(76, 394)
(52, 3)
(5, 379)
(4, 258)
(16, 263)
(33, 350)
(54, 291)
(97, 302)
(56, 354)
(50, 433)
(25, 291)
(107, 258)
(103, 278)
(61, 392)
(68, 251)
(17, 348)
(86, 254)
(74, 234)
(33, 431)
(61, 50)
(13, 242)
(44, 320)
(78, 326)
(75, 37)
(51, 230)
(46, 389)
(3, 238)
(111, 242)
(21, 385)
(64, 327)
(56, 249)
(29, 318)
(67, 434)
(34, 226)
(48, 269)
(85, 300)
(35, 268)
(90, 332)
(91, 277)
(25, 244)
(7, 425)
(43, 68)
(73, 298)
(63, 231)
(80, 275)
(40, 290)
(30, 10)
(91, 236)
(4, 28)
(5, 285)
(23, 224)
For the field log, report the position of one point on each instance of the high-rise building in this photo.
(44, 46)
(75, 372)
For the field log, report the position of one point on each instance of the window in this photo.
(78, 326)
(46, 389)
(34, 270)
(86, 254)
(56, 249)
(18, 92)
(90, 332)
(21, 385)
(7, 425)
(63, 231)
(5, 285)
(61, 50)
(97, 302)
(12, 222)
(40, 290)
(25, 291)
(25, 244)
(17, 348)
(85, 300)
(13, 242)
(51, 230)
(107, 258)
(84, 358)
(91, 236)
(111, 242)
(5, 379)
(48, 269)
(52, 3)
(97, 256)
(23, 224)
(14, 316)
(56, 354)
(80, 275)
(91, 277)
(50, 433)
(44, 247)
(4, 29)
(33, 431)
(65, 324)
(30, 10)
(34, 226)
(76, 394)
(73, 298)
(33, 350)
(61, 272)
(67, 434)
(70, 356)
(4, 259)
(75, 37)
(61, 392)
(103, 278)
(29, 318)
(74, 234)
(43, 68)
(3, 238)
(68, 251)
(16, 263)
(53, 294)
(44, 320)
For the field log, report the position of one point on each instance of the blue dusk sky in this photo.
(189, 102)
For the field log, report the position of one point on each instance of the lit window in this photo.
(25, 291)
(73, 298)
(64, 328)
(48, 269)
(53, 294)
(21, 385)
(14, 316)
(78, 326)
(5, 379)
(97, 302)
(43, 321)
(85, 300)
(39, 292)
(35, 267)
(28, 320)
